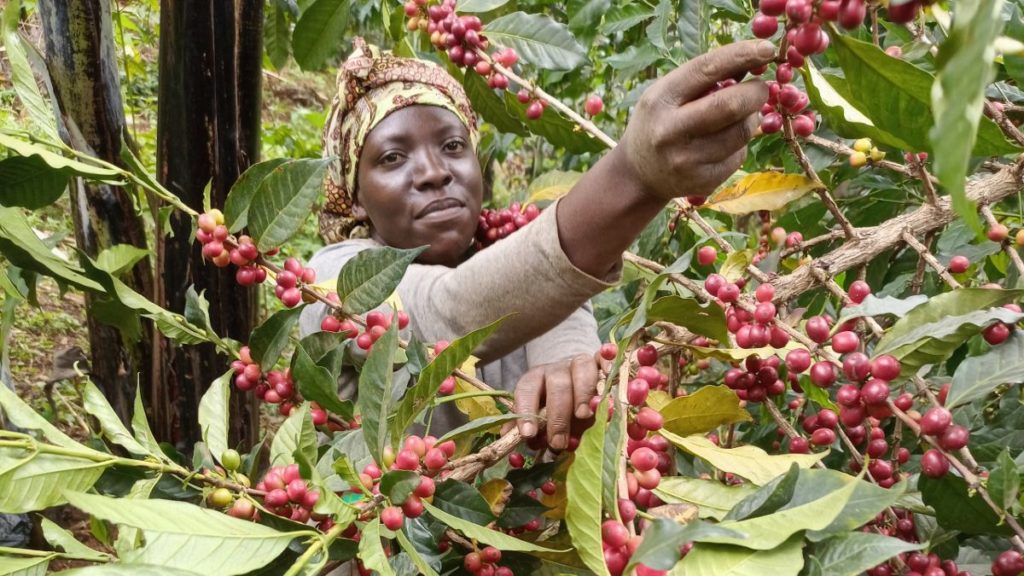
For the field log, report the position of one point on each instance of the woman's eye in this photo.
(454, 145)
(389, 158)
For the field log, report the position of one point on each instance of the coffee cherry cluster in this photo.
(755, 330)
(287, 493)
(863, 151)
(377, 323)
(418, 454)
(495, 224)
(289, 281)
(273, 387)
(919, 564)
(484, 563)
(757, 379)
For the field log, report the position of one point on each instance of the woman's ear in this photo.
(358, 212)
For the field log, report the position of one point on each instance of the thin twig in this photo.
(927, 256)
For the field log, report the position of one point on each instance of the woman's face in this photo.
(419, 184)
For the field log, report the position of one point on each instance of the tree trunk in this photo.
(207, 132)
(82, 64)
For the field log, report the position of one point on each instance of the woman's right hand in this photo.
(682, 141)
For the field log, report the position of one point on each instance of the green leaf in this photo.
(140, 426)
(1004, 482)
(583, 489)
(977, 376)
(479, 5)
(538, 40)
(692, 26)
(830, 96)
(284, 200)
(896, 95)
(371, 553)
(557, 130)
(343, 466)
(236, 207)
(269, 339)
(658, 29)
(750, 462)
(319, 32)
(120, 258)
(624, 17)
(20, 245)
(851, 553)
(487, 536)
(929, 333)
(464, 501)
(875, 306)
(67, 165)
(664, 538)
(295, 434)
(703, 411)
(214, 411)
(66, 541)
(30, 183)
(21, 75)
(476, 426)
(128, 569)
(277, 35)
(706, 320)
(959, 508)
(417, 559)
(371, 276)
(399, 484)
(128, 538)
(614, 439)
(375, 383)
(95, 403)
(315, 383)
(768, 498)
(718, 560)
(713, 499)
(424, 391)
(28, 566)
(19, 413)
(38, 480)
(490, 106)
(170, 527)
(958, 96)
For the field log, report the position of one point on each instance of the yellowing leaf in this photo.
(476, 406)
(497, 492)
(761, 191)
(750, 462)
(705, 410)
(658, 399)
(551, 186)
(736, 263)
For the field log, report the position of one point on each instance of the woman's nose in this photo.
(432, 171)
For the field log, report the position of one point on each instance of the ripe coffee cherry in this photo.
(490, 555)
(799, 445)
(713, 283)
(856, 366)
(647, 355)
(406, 460)
(435, 459)
(772, 7)
(706, 255)
(798, 360)
(877, 447)
(1009, 563)
(817, 329)
(996, 333)
(765, 293)
(885, 367)
(649, 419)
(771, 123)
(627, 509)
(954, 438)
(935, 421)
(594, 105)
(516, 460)
(934, 464)
(643, 459)
(848, 395)
(275, 498)
(472, 562)
(823, 374)
(858, 291)
(534, 110)
(764, 26)
(636, 391)
(412, 507)
(875, 392)
(823, 437)
(959, 264)
(614, 534)
(851, 14)
(296, 490)
(844, 342)
(998, 233)
(764, 312)
(392, 517)
(803, 125)
(729, 293)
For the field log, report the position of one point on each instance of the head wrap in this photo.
(372, 85)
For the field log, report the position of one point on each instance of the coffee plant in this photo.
(812, 372)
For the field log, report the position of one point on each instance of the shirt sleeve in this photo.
(526, 277)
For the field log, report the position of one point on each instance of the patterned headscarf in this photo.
(372, 85)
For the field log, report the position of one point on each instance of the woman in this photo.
(407, 175)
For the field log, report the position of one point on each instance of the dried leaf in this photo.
(761, 191)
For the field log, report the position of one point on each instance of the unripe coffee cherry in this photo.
(230, 459)
(243, 509)
(935, 421)
(594, 105)
(220, 498)
(392, 517)
(934, 464)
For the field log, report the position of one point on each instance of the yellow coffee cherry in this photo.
(1019, 238)
(862, 145)
(876, 154)
(217, 215)
(858, 159)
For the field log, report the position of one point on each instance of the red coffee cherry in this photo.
(959, 264)
(798, 360)
(996, 334)
(594, 105)
(885, 367)
(935, 421)
(707, 255)
(643, 459)
(817, 329)
(858, 291)
(823, 374)
(392, 517)
(614, 534)
(934, 464)
(647, 355)
(954, 438)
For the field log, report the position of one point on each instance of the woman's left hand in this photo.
(564, 389)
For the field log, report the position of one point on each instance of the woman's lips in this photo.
(441, 208)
